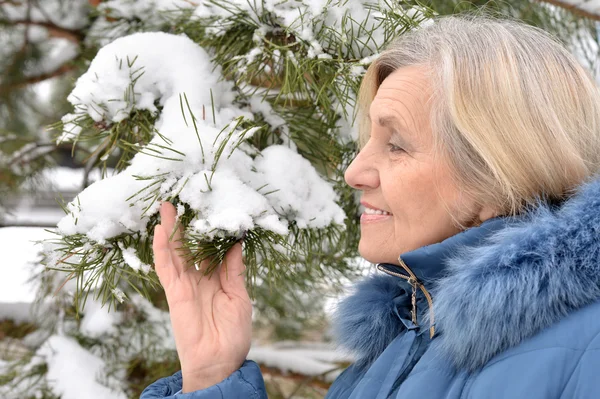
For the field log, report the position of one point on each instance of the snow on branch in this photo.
(226, 189)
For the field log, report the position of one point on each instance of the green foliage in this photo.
(100, 268)
(9, 328)
(139, 371)
(27, 376)
(567, 26)
(311, 94)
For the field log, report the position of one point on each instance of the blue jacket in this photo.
(508, 309)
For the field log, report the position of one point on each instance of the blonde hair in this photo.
(513, 111)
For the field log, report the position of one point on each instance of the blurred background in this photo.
(45, 45)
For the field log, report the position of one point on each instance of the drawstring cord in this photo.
(414, 283)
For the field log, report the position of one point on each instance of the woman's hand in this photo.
(211, 317)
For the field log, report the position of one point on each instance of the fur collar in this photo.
(521, 279)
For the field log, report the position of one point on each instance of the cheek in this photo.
(421, 216)
(452, 199)
(407, 193)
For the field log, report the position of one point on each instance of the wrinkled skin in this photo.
(396, 171)
(211, 318)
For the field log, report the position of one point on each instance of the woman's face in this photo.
(407, 192)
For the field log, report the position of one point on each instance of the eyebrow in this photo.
(389, 121)
(393, 122)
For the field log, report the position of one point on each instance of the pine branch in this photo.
(128, 135)
(574, 8)
(75, 36)
(62, 70)
(90, 163)
(30, 152)
(305, 98)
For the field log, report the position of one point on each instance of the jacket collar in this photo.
(498, 286)
(428, 263)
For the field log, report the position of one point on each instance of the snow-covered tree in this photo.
(239, 112)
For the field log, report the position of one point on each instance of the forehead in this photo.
(403, 95)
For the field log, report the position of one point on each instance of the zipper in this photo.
(420, 348)
(414, 283)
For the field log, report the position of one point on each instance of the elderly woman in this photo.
(478, 170)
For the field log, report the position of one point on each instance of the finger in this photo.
(232, 273)
(163, 264)
(167, 220)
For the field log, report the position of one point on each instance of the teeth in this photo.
(370, 211)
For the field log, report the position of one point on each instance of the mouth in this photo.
(372, 214)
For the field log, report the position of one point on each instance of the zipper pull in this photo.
(413, 282)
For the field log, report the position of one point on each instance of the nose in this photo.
(362, 173)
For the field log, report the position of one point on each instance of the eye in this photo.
(394, 148)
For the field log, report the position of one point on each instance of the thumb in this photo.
(232, 273)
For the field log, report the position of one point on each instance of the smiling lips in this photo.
(373, 214)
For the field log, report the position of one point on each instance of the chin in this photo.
(373, 255)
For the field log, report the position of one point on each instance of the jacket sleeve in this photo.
(245, 383)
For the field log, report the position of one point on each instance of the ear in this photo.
(487, 212)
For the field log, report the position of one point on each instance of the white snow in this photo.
(19, 260)
(152, 12)
(591, 6)
(271, 117)
(101, 216)
(232, 188)
(333, 31)
(301, 195)
(119, 18)
(16, 311)
(164, 66)
(55, 53)
(119, 294)
(304, 19)
(309, 358)
(69, 14)
(74, 372)
(63, 179)
(230, 191)
(144, 10)
(133, 261)
(97, 320)
(24, 214)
